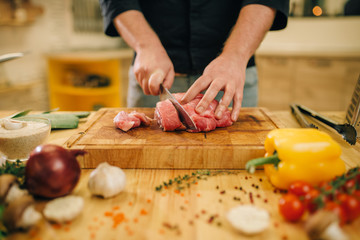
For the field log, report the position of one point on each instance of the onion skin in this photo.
(52, 171)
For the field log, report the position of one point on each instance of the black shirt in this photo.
(193, 32)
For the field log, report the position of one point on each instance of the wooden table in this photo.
(197, 212)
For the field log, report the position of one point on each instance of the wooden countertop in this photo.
(197, 212)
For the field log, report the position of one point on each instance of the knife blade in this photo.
(184, 115)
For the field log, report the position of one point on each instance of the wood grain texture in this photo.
(150, 214)
(150, 147)
(197, 212)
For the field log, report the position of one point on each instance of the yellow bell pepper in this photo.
(299, 154)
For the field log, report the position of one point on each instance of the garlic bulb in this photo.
(248, 219)
(106, 180)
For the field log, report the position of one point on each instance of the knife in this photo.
(184, 115)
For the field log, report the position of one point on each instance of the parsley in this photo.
(3, 232)
(15, 168)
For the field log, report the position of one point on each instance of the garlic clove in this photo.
(106, 180)
(248, 219)
(63, 209)
(10, 124)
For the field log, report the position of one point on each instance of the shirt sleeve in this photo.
(112, 8)
(282, 11)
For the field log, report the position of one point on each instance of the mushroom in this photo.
(10, 189)
(106, 180)
(63, 209)
(324, 225)
(21, 214)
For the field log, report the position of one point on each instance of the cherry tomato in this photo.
(325, 186)
(338, 210)
(349, 186)
(291, 208)
(309, 200)
(356, 194)
(300, 188)
(358, 180)
(351, 206)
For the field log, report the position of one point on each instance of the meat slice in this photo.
(205, 122)
(126, 121)
(167, 116)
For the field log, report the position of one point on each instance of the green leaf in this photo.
(20, 114)
(51, 110)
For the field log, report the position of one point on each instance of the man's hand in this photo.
(152, 64)
(224, 73)
(152, 67)
(227, 72)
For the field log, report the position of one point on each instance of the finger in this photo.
(145, 86)
(199, 85)
(224, 103)
(209, 96)
(169, 79)
(236, 107)
(155, 79)
(139, 75)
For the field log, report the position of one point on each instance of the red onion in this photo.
(52, 171)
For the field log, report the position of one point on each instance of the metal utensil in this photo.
(347, 131)
(300, 117)
(10, 56)
(184, 115)
(353, 111)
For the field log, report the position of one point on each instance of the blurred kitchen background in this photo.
(69, 63)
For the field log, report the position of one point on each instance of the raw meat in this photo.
(126, 121)
(167, 116)
(168, 119)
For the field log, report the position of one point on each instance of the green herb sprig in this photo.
(3, 230)
(185, 181)
(337, 185)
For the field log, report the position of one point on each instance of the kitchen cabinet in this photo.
(320, 82)
(88, 80)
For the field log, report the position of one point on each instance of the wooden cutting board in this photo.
(150, 147)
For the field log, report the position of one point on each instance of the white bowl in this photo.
(19, 136)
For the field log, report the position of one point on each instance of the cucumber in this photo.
(59, 121)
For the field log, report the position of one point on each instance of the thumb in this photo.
(155, 79)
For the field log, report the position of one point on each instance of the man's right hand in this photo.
(153, 66)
